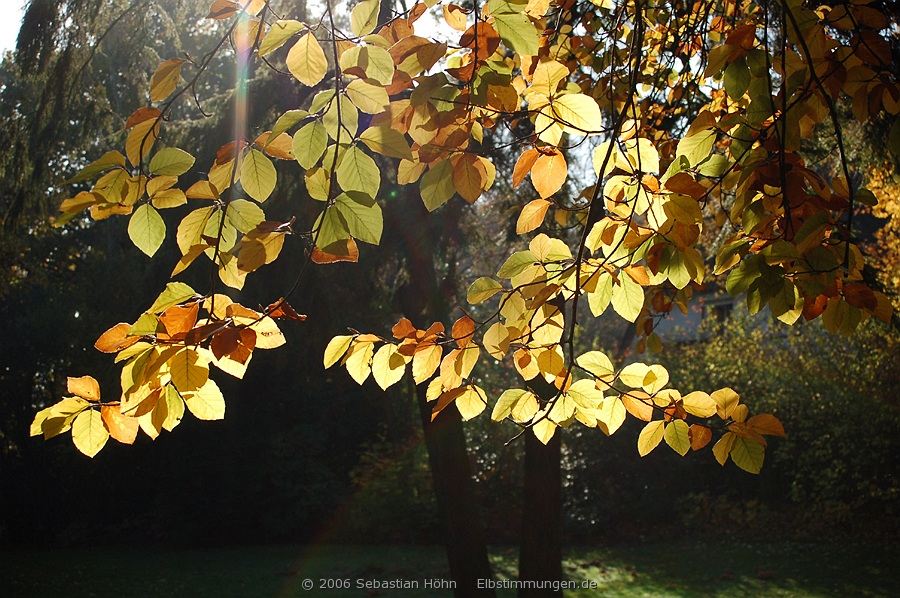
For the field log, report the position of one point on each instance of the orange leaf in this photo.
(178, 319)
(403, 329)
(121, 427)
(115, 339)
(523, 166)
(463, 330)
(342, 251)
(636, 407)
(469, 176)
(766, 423)
(532, 215)
(549, 173)
(85, 387)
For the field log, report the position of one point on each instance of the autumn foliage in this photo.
(664, 143)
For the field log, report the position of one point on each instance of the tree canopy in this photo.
(665, 146)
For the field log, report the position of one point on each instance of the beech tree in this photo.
(662, 145)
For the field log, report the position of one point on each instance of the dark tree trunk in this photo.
(455, 492)
(540, 552)
(422, 300)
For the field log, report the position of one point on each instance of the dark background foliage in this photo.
(304, 454)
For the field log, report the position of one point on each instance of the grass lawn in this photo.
(646, 570)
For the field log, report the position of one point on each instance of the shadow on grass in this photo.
(684, 569)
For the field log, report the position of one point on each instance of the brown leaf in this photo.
(700, 436)
(283, 309)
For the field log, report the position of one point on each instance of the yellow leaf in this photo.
(358, 361)
(471, 402)
(207, 402)
(650, 437)
(699, 403)
(188, 371)
(364, 16)
(165, 79)
(306, 60)
(370, 98)
(174, 408)
(723, 447)
(89, 433)
(141, 139)
(726, 400)
(278, 34)
(677, 437)
(336, 349)
(387, 142)
(612, 415)
(388, 366)
(578, 113)
(425, 361)
(544, 430)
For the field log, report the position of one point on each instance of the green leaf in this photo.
(364, 17)
(258, 176)
(278, 34)
(697, 147)
(286, 121)
(516, 264)
(370, 98)
(514, 27)
(107, 161)
(173, 294)
(309, 144)
(244, 215)
(737, 79)
(482, 289)
(362, 215)
(677, 437)
(171, 161)
(748, 455)
(436, 185)
(627, 298)
(387, 142)
(332, 228)
(147, 229)
(375, 62)
(358, 172)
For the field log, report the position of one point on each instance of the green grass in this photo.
(646, 570)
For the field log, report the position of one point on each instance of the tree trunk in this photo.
(422, 300)
(455, 492)
(540, 552)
